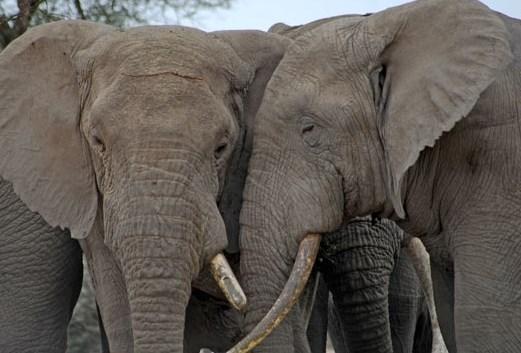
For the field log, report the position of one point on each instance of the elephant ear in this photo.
(44, 154)
(434, 59)
(261, 52)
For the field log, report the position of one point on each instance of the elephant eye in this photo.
(220, 150)
(309, 132)
(97, 142)
(307, 129)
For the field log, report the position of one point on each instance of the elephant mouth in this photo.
(306, 256)
(228, 289)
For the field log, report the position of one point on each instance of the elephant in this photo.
(130, 144)
(408, 312)
(412, 114)
(395, 306)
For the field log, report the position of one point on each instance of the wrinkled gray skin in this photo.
(411, 329)
(375, 289)
(125, 138)
(359, 263)
(413, 113)
(379, 302)
(360, 270)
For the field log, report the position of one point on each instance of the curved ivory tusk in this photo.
(223, 275)
(296, 283)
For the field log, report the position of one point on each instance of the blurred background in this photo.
(262, 14)
(209, 15)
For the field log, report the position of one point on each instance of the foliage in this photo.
(15, 18)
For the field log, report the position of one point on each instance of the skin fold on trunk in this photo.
(162, 229)
(264, 281)
(357, 262)
(269, 243)
(158, 286)
(366, 265)
(158, 238)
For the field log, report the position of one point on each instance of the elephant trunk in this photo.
(281, 224)
(263, 282)
(357, 264)
(268, 251)
(160, 224)
(158, 270)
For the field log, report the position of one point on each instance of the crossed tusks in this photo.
(298, 278)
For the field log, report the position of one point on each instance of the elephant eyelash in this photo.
(220, 150)
(309, 133)
(307, 129)
(98, 141)
(98, 144)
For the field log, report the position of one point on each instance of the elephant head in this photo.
(347, 111)
(133, 133)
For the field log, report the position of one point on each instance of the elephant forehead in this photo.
(299, 88)
(327, 52)
(140, 108)
(160, 97)
(173, 50)
(315, 75)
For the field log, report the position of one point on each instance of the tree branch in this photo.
(26, 10)
(79, 9)
(22, 20)
(5, 32)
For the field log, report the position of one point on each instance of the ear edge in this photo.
(491, 56)
(30, 180)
